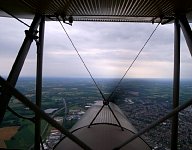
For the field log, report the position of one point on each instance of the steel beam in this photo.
(186, 31)
(18, 64)
(176, 85)
(40, 44)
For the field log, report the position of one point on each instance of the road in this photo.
(47, 125)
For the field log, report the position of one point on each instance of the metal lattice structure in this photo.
(151, 11)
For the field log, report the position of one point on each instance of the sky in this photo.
(106, 48)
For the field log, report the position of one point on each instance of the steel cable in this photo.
(118, 84)
(82, 61)
(15, 17)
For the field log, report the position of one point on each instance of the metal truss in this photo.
(7, 87)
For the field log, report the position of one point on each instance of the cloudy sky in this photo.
(107, 48)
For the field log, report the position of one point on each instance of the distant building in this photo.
(50, 110)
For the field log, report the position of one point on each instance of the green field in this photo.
(24, 138)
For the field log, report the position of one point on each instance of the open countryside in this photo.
(67, 99)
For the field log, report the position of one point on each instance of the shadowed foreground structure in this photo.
(149, 11)
(104, 133)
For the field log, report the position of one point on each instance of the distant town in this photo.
(66, 100)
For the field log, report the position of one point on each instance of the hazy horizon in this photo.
(131, 78)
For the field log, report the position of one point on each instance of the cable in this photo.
(82, 60)
(108, 99)
(15, 17)
(132, 63)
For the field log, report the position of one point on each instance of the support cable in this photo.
(82, 60)
(20, 116)
(96, 116)
(112, 114)
(15, 17)
(115, 117)
(118, 84)
(108, 99)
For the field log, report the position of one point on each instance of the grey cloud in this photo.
(116, 44)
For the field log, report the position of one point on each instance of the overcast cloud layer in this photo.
(107, 48)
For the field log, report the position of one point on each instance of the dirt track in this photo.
(6, 133)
